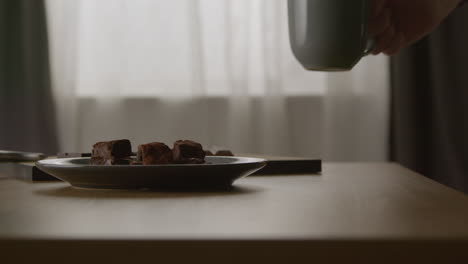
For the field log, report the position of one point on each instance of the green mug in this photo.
(329, 35)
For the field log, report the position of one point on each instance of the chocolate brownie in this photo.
(188, 152)
(112, 149)
(154, 153)
(112, 152)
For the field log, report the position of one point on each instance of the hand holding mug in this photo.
(396, 24)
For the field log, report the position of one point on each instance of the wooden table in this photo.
(352, 213)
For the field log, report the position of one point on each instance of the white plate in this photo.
(216, 172)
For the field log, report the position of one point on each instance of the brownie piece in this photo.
(115, 152)
(154, 153)
(115, 149)
(188, 152)
(208, 153)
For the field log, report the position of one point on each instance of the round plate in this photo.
(217, 172)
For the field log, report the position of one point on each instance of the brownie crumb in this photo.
(224, 153)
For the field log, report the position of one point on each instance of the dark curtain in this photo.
(27, 120)
(430, 104)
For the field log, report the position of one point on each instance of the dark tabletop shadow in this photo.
(72, 192)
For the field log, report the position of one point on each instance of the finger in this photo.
(376, 7)
(395, 46)
(383, 41)
(378, 25)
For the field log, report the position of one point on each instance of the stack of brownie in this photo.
(119, 152)
(183, 152)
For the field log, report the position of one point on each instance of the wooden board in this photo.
(288, 165)
(275, 166)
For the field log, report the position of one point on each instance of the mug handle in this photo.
(370, 46)
(371, 42)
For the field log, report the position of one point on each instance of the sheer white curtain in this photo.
(217, 71)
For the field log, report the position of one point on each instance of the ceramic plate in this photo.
(217, 172)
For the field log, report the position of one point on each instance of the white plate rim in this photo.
(62, 163)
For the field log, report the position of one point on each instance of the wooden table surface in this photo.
(364, 211)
